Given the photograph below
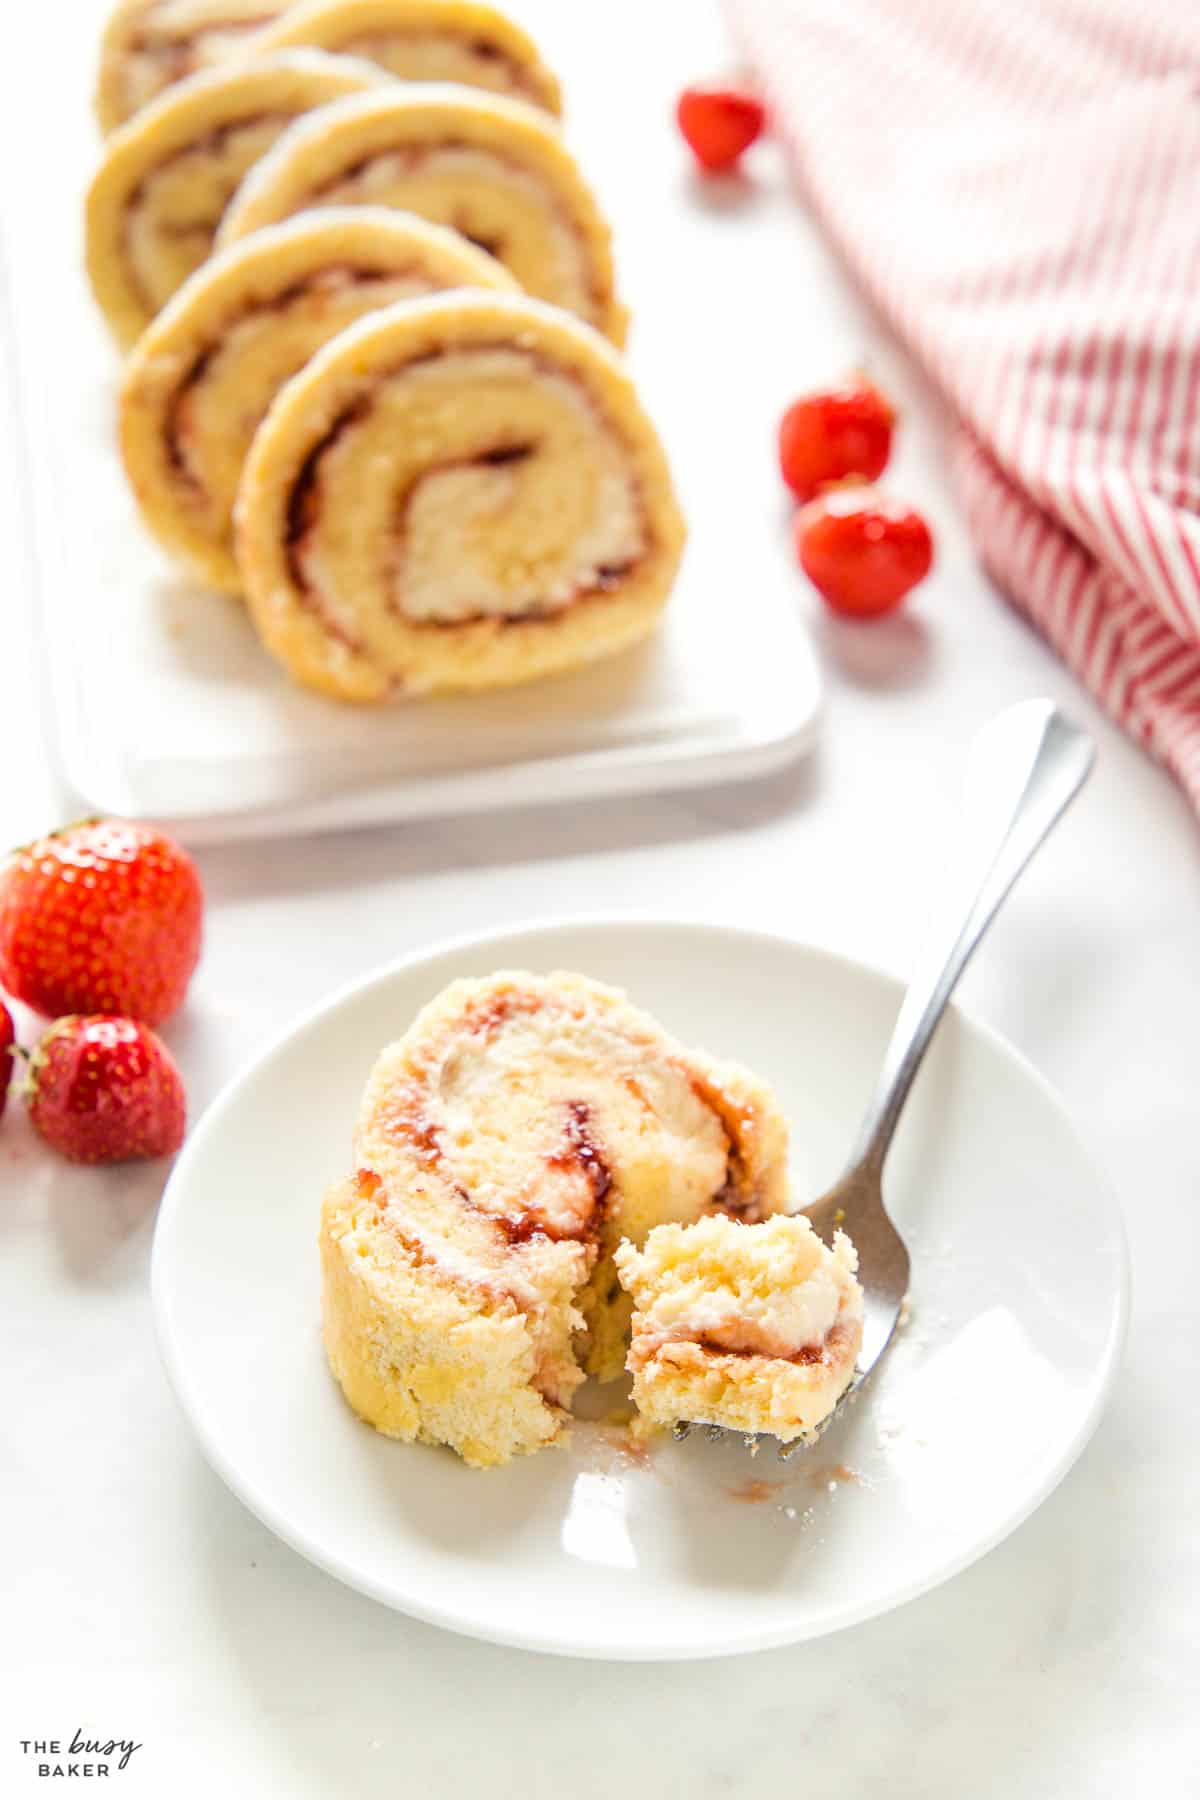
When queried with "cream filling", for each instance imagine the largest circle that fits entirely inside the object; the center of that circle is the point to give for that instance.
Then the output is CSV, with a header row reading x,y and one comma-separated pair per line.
x,y
464,545
549,1104
414,523
770,1290
784,1326
554,1127
498,205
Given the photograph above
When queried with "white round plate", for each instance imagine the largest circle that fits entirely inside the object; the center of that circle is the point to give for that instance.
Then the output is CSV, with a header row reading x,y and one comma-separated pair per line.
x,y
1018,1310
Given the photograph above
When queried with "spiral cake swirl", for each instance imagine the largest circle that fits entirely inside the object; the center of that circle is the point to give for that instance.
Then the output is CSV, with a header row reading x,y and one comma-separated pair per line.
x,y
523,1127
201,378
456,493
157,198
495,169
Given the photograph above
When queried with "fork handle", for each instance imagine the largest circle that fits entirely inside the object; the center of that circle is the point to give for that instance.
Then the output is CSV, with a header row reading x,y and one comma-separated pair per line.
x,y
1025,768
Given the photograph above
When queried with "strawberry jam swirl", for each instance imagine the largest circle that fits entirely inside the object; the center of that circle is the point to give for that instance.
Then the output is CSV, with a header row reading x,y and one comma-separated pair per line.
x,y
482,494
579,1151
583,1181
831,1350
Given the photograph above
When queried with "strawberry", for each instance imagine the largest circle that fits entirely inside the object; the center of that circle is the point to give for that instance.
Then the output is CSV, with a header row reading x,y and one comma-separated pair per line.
x,y
103,1090
861,550
100,917
719,123
7,1039
838,431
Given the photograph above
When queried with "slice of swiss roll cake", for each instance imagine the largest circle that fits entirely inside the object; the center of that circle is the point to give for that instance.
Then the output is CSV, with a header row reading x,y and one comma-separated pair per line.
x,y
455,493
521,1129
755,1329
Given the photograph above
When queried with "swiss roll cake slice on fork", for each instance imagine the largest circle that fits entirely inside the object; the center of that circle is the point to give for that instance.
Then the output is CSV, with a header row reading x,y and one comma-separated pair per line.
x,y
754,1329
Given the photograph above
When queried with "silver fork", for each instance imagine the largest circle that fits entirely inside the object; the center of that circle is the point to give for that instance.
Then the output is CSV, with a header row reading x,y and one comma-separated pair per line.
x,y
1024,770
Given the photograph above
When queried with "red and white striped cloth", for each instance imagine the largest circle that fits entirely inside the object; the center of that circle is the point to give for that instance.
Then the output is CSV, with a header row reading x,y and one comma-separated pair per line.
x,y
1017,185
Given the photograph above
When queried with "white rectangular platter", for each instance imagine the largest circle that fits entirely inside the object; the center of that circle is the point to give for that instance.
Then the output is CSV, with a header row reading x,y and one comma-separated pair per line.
x,y
164,705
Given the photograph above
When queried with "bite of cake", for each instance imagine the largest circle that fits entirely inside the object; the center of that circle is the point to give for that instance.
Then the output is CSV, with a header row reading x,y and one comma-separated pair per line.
x,y
754,1327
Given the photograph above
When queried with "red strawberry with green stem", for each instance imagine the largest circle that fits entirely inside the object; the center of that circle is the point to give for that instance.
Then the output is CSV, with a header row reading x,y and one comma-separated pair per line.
x,y
101,917
103,1090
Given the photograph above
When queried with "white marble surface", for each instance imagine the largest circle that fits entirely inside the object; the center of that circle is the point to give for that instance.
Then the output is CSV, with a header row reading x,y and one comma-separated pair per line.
x,y
140,1599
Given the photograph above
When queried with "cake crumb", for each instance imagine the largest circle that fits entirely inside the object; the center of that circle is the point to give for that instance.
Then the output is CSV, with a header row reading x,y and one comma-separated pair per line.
x,y
634,1447
620,1440
643,1432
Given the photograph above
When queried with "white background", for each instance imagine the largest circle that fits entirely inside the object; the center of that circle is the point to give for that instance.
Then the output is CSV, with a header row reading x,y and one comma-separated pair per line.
x,y
140,1599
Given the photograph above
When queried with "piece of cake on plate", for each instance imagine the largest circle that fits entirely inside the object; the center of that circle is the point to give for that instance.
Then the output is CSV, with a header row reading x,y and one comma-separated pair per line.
x,y
521,1130
754,1327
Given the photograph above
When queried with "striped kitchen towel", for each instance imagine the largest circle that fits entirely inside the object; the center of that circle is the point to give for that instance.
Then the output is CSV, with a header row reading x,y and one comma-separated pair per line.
x,y
1016,183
